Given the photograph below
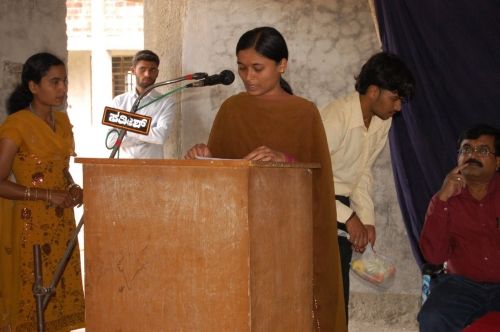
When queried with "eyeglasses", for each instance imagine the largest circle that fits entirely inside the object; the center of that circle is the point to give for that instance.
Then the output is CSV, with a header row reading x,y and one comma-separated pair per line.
x,y
468,150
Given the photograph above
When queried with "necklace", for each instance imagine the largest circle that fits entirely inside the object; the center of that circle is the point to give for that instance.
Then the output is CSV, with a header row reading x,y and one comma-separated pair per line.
x,y
51,122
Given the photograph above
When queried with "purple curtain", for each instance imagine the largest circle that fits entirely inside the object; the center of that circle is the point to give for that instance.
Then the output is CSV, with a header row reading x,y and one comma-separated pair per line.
x,y
453,50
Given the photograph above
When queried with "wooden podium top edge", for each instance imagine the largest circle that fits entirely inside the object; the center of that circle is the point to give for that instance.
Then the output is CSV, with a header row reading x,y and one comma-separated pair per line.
x,y
195,162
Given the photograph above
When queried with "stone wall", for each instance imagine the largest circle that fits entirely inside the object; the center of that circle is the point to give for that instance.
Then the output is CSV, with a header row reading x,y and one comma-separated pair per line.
x,y
28,27
327,41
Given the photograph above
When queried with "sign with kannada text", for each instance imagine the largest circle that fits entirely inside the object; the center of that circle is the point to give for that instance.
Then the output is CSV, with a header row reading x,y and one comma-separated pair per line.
x,y
117,118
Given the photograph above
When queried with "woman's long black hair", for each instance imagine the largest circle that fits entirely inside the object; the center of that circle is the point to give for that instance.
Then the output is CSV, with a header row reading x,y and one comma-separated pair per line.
x,y
34,69
268,42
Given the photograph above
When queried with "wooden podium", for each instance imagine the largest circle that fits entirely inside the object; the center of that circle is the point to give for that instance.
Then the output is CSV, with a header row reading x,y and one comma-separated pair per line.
x,y
197,245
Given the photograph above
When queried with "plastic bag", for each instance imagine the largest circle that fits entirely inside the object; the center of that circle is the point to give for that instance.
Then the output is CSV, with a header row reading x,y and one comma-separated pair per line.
x,y
374,268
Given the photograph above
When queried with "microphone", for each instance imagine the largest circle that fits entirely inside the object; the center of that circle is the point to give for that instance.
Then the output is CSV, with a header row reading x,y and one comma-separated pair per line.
x,y
225,77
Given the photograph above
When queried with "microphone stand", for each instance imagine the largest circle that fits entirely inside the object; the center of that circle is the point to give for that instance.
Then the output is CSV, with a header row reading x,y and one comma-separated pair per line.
x,y
44,294
135,105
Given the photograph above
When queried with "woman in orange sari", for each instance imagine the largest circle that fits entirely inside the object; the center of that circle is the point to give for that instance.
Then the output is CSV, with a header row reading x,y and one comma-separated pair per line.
x,y
37,197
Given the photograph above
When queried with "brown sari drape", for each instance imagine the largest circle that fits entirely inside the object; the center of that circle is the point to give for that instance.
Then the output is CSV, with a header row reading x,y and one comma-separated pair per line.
x,y
292,125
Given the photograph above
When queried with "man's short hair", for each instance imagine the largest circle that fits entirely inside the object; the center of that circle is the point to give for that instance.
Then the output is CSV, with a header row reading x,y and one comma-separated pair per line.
x,y
145,55
387,71
479,130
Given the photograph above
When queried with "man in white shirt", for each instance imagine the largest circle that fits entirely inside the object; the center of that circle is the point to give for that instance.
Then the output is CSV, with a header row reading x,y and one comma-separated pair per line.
x,y
356,127
145,68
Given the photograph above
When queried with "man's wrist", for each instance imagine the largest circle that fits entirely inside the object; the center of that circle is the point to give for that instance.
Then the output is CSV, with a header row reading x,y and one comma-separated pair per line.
x,y
353,214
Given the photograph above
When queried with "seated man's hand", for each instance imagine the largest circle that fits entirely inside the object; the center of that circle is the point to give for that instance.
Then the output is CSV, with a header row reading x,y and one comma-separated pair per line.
x,y
358,234
453,183
199,150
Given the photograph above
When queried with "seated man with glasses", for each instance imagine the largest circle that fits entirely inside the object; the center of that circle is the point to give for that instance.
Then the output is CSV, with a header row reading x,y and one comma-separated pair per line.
x,y
462,228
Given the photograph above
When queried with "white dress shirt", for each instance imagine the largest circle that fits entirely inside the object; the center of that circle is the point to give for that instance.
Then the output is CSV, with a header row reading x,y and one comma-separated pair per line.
x,y
162,115
353,149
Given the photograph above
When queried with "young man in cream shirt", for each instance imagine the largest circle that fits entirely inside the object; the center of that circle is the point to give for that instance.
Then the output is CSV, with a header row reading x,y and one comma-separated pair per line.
x,y
357,127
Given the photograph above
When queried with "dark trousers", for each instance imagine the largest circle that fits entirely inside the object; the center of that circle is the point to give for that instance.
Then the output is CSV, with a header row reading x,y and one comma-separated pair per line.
x,y
345,250
455,302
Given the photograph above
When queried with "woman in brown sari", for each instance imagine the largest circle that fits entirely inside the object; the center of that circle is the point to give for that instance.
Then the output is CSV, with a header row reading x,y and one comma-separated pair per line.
x,y
37,197
269,123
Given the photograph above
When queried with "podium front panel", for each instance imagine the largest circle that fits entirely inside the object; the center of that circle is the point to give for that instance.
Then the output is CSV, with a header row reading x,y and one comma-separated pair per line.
x,y
281,250
182,246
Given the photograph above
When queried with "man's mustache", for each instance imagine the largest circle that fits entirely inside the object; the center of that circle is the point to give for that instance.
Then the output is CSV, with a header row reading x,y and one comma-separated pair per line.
x,y
474,161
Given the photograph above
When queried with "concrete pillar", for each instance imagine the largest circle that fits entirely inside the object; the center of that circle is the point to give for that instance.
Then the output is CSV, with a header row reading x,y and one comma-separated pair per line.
x,y
163,34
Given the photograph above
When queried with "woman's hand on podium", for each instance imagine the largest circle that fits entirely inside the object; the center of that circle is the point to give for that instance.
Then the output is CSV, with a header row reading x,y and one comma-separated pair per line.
x,y
264,153
199,150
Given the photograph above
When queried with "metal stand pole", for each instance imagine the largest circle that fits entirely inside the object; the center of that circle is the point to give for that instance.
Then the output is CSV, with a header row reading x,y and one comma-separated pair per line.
x,y
38,289
43,294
